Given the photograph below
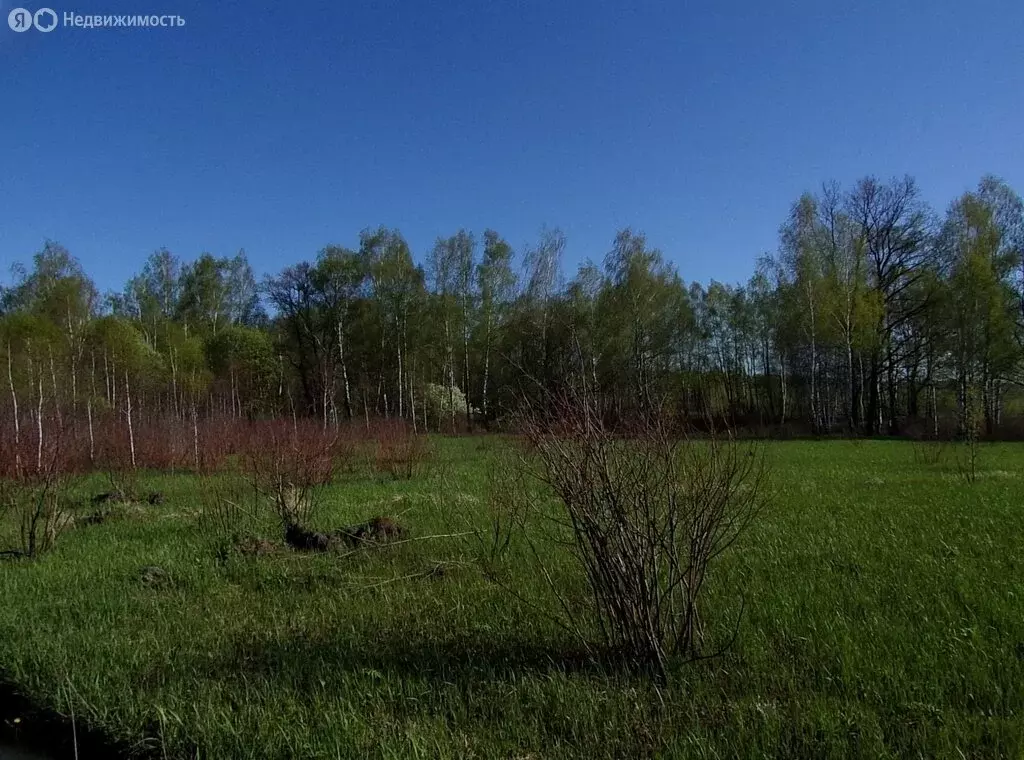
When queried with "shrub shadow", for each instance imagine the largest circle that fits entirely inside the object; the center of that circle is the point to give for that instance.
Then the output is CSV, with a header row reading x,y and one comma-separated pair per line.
x,y
460,659
38,731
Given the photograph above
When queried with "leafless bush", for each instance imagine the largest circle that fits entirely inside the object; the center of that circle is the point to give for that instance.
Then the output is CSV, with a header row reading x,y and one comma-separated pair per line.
x,y
231,513
288,464
351,449
643,513
400,452
969,450
930,452
228,505
38,509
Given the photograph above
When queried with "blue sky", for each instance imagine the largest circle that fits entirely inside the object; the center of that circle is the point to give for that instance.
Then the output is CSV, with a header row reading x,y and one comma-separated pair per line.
x,y
281,127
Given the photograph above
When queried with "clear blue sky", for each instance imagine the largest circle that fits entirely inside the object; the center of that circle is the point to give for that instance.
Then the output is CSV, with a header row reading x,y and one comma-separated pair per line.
x,y
281,127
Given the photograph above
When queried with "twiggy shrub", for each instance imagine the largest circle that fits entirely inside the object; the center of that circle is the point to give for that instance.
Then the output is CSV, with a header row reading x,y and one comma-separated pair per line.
x,y
288,464
642,513
400,452
929,452
969,450
37,510
229,506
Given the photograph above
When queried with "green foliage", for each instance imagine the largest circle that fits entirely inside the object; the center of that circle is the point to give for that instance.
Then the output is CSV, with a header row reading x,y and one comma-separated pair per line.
x,y
216,292
245,356
871,316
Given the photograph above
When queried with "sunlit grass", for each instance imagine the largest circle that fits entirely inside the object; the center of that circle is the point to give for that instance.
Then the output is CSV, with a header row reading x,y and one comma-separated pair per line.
x,y
883,616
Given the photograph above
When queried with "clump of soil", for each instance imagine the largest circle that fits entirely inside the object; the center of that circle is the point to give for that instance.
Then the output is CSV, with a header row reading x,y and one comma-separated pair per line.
x,y
98,517
153,498
438,572
255,547
377,530
110,510
109,497
304,540
154,576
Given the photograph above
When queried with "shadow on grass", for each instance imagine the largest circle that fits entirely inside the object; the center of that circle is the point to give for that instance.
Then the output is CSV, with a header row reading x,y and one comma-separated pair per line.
x,y
461,669
461,659
27,730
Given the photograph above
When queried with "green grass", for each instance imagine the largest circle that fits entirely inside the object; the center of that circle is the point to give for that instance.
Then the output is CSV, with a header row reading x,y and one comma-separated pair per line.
x,y
884,617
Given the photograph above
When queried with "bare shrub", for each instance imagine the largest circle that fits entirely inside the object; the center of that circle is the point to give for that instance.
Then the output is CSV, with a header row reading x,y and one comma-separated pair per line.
x,y
38,509
164,444
228,506
930,452
349,449
288,464
969,450
400,452
643,514
114,458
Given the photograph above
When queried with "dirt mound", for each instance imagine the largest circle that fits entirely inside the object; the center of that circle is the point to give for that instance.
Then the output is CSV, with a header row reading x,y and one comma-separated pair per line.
x,y
154,576
376,530
304,540
107,498
255,547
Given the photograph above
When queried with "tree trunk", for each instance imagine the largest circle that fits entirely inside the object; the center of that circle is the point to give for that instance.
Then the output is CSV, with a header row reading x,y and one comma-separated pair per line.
x,y
401,395
815,423
73,361
174,381
871,422
412,398
465,363
344,372
106,380
56,398
851,385
450,361
195,435
890,378
128,407
14,402
39,427
785,395
935,413
324,392
92,440
487,367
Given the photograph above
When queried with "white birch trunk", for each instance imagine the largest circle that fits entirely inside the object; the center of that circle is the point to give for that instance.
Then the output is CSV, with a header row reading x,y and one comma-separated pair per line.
x,y
195,434
487,362
92,439
14,402
344,371
39,427
465,361
450,361
56,401
128,406
401,398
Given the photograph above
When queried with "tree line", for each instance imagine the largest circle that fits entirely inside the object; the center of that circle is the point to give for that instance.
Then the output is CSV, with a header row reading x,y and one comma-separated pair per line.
x,y
875,315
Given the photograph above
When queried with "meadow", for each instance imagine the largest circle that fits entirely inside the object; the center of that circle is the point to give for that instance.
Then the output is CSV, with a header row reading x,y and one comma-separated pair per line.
x,y
882,601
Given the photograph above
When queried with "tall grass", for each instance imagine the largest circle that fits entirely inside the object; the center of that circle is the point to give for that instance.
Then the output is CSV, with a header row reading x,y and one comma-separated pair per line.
x,y
883,618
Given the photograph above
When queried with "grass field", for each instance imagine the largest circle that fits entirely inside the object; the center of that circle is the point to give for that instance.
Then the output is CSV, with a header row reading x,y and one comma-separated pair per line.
x,y
883,617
